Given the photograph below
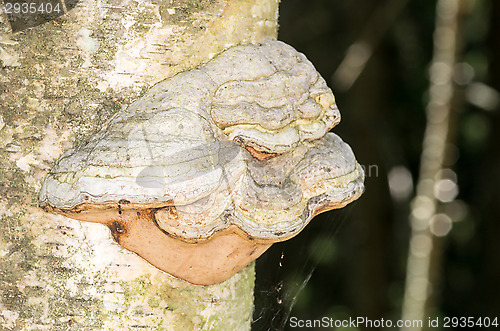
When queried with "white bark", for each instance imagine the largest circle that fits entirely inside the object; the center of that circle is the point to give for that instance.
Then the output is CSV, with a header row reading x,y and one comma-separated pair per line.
x,y
59,83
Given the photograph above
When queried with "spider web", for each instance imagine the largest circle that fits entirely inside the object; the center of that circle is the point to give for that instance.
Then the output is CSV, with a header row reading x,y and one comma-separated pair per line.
x,y
275,296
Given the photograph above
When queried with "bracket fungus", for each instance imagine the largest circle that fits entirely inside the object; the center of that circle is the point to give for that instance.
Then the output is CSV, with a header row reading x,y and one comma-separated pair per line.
x,y
212,166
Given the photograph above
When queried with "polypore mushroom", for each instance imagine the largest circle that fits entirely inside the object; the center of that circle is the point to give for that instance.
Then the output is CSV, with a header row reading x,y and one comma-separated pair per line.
x,y
212,166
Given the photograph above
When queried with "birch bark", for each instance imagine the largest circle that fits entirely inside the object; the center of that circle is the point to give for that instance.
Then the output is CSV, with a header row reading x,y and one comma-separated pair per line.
x,y
59,82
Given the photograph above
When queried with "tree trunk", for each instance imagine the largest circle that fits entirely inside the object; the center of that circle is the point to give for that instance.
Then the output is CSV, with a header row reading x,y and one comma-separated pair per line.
x,y
59,82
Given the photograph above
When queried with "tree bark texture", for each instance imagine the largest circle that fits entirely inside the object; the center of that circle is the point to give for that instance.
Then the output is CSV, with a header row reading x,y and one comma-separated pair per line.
x,y
59,83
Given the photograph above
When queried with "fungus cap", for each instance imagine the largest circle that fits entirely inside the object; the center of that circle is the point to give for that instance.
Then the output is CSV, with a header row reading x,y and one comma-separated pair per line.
x,y
210,167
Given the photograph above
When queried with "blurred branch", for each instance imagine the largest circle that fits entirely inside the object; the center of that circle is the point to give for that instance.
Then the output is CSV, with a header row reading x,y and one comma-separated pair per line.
x,y
427,224
361,50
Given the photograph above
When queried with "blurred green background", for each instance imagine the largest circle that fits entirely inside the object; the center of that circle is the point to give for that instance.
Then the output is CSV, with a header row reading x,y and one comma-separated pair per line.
x,y
352,262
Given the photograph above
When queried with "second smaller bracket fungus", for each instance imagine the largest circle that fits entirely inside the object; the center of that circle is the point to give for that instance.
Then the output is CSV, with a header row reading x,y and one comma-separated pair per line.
x,y
212,166
279,196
